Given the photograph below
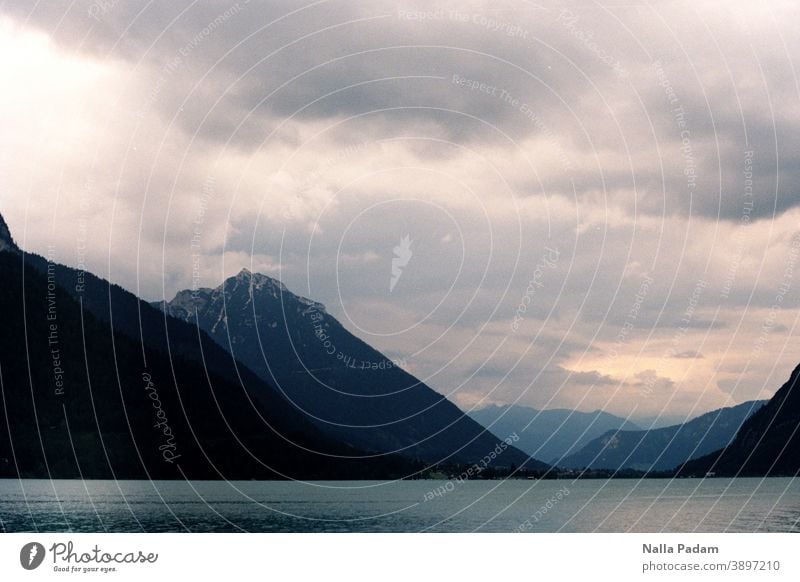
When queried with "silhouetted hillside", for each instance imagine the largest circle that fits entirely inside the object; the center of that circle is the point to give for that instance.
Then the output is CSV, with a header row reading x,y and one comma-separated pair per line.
x,y
767,444
662,449
81,401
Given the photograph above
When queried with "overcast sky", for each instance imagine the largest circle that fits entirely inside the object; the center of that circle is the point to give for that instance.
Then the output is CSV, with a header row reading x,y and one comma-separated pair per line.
x,y
601,200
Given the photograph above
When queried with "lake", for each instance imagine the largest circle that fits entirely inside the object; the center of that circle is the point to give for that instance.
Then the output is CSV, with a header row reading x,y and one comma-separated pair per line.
x,y
621,505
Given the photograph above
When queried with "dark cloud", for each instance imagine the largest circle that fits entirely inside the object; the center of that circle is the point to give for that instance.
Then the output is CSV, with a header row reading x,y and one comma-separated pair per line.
x,y
484,143
388,67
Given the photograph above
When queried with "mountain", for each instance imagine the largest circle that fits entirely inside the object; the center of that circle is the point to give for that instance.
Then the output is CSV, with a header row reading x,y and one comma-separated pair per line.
x,y
80,401
350,390
548,434
83,400
660,420
662,448
6,240
767,444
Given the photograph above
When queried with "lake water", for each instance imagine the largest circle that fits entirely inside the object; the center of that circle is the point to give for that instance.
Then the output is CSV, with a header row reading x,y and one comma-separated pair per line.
x,y
685,505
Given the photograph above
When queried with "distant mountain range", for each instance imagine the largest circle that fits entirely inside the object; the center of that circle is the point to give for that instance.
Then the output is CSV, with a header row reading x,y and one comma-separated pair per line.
x,y
349,390
662,448
660,421
549,434
768,442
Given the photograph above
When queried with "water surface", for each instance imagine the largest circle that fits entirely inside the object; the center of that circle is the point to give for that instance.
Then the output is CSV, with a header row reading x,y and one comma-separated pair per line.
x,y
652,505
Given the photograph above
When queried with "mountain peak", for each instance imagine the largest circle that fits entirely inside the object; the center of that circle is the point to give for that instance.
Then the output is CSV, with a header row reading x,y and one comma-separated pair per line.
x,y
343,385
256,280
6,240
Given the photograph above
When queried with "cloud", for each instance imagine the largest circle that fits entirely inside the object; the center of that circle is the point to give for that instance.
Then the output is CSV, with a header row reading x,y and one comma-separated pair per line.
x,y
592,378
689,354
182,139
381,68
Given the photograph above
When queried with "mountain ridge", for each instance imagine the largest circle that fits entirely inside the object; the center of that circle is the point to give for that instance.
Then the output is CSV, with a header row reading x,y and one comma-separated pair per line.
x,y
6,240
81,401
362,398
119,339
550,434
765,445
663,448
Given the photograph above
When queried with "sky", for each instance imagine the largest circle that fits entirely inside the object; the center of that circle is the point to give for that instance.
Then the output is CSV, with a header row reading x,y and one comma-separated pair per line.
x,y
566,205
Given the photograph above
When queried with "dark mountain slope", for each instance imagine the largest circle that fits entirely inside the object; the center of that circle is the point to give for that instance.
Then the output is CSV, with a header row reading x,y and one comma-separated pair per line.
x,y
80,401
767,444
663,448
351,391
121,312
